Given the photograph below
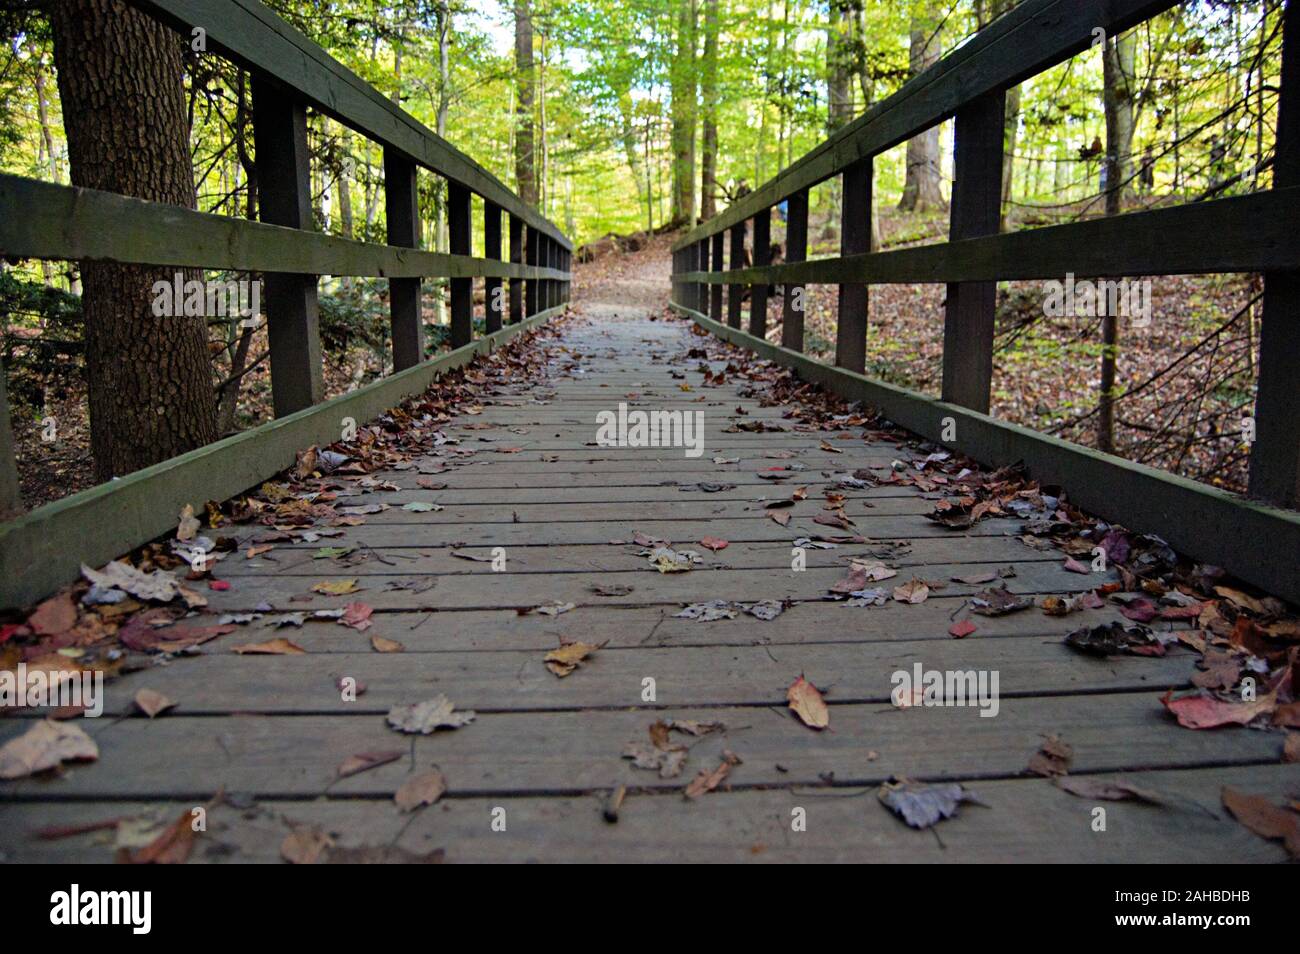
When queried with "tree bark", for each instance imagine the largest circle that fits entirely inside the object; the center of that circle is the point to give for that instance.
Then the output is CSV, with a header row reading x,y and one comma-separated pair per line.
x,y
683,84
1118,62
921,184
525,165
709,100
120,82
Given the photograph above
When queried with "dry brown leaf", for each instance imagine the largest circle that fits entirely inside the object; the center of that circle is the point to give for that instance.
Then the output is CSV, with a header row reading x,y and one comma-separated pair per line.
x,y
335,587
280,646
172,847
913,591
707,781
567,658
1264,818
152,703
1053,758
807,703
428,716
382,644
419,790
364,761
305,845
44,746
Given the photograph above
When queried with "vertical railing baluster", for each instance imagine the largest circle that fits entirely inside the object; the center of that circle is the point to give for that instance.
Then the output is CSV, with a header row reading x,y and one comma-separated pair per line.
x,y
284,198
717,265
530,286
11,495
737,260
976,210
1275,453
762,257
796,250
402,209
517,258
459,228
493,289
855,238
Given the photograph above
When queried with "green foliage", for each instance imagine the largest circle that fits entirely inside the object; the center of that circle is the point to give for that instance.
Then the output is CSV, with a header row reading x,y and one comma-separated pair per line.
x,y
354,316
43,342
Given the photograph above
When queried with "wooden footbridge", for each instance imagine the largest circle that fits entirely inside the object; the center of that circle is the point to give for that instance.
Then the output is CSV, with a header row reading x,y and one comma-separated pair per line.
x,y
629,624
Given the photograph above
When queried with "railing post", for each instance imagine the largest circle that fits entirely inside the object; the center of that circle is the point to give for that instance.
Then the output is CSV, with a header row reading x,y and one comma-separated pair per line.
x,y
284,198
718,265
402,208
462,289
762,257
11,496
976,211
493,290
1275,453
855,238
796,250
517,257
701,265
737,260
530,286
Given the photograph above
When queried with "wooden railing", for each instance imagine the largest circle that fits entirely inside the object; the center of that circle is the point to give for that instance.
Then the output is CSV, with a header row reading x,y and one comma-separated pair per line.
x,y
290,74
1253,233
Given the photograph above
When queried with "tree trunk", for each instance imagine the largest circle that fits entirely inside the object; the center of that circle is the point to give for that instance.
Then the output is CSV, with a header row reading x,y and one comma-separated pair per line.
x,y
709,99
921,185
120,82
1118,62
682,79
525,167
839,95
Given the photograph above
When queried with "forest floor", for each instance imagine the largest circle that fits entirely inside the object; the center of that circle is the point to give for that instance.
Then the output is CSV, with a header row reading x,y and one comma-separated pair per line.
x,y
475,633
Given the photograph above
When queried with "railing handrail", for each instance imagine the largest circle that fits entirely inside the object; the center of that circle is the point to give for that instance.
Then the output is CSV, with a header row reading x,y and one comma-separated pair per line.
x,y
252,35
1043,32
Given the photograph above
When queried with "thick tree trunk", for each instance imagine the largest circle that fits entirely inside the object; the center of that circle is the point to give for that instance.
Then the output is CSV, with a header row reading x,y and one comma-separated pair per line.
x,y
709,100
921,185
525,163
1118,61
119,73
683,115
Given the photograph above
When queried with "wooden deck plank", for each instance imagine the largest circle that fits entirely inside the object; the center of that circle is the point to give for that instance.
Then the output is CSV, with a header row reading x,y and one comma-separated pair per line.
x,y
1024,818
684,676
570,752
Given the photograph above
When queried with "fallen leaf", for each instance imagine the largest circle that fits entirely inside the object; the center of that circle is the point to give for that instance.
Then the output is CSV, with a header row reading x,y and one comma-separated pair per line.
x,y
382,644
305,845
554,608
44,746
913,591
808,704
357,616
56,615
1264,818
419,790
1053,758
364,761
714,543
426,717
335,587
962,629
707,781
1107,790
567,658
160,587
152,703
922,806
188,528
280,646
998,602
172,847
1201,711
